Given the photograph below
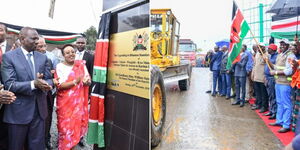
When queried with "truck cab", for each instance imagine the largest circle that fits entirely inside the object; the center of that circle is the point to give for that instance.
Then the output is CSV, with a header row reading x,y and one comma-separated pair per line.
x,y
187,51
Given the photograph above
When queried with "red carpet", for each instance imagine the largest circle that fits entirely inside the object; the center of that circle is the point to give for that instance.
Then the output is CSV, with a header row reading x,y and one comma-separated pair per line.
x,y
285,138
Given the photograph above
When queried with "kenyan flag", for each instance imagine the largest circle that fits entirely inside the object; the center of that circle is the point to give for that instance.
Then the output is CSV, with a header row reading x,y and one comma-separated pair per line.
x,y
96,118
239,30
285,26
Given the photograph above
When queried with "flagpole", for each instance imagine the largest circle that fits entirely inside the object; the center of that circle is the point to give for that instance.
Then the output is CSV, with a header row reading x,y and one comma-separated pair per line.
x,y
260,49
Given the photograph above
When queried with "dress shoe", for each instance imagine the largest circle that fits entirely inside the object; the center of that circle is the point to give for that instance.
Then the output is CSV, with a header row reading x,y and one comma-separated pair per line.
x,y
272,117
232,96
274,124
283,130
262,110
254,107
208,91
268,114
213,95
222,95
236,103
49,145
227,97
242,104
81,142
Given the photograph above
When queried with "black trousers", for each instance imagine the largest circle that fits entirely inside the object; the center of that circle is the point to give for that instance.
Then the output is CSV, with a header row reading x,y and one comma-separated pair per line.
x,y
3,132
272,95
261,95
50,103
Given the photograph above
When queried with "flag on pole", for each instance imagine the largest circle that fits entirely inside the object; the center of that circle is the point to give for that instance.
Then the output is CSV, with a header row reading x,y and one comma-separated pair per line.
x,y
96,118
239,30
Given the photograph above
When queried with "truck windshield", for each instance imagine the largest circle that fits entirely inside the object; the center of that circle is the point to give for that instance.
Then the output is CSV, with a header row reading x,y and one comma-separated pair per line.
x,y
186,47
156,23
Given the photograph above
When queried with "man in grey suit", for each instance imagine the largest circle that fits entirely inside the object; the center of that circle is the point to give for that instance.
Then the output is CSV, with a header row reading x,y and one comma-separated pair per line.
x,y
240,74
26,73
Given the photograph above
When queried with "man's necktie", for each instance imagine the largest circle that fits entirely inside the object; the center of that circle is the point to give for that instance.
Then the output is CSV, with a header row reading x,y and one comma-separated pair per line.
x,y
31,64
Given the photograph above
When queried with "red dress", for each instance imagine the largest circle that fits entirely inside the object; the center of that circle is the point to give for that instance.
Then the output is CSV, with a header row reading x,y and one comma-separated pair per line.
x,y
72,110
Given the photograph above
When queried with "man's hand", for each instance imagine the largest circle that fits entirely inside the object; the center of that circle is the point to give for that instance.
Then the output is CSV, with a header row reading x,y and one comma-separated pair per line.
x,y
294,63
39,75
272,72
296,38
265,57
42,84
7,97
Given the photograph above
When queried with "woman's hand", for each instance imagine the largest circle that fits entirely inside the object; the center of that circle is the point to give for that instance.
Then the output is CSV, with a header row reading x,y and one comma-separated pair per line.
x,y
77,80
56,81
86,80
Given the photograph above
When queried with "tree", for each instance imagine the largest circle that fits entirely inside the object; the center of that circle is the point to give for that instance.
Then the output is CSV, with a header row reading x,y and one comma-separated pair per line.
x,y
91,38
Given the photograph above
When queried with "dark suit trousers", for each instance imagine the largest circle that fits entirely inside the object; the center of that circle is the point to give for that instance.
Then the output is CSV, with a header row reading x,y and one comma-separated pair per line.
x,y
32,133
271,94
261,95
50,103
240,88
216,81
3,132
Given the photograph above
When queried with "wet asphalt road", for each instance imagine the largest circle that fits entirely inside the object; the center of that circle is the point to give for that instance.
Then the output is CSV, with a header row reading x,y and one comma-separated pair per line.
x,y
197,121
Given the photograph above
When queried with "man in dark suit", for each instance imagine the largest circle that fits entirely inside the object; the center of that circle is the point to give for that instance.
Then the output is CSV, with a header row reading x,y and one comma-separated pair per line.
x,y
27,74
4,47
215,66
82,54
240,74
6,97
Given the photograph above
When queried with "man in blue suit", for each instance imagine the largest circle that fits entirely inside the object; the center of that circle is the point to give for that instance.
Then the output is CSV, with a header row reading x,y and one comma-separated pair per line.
x,y
215,67
240,74
26,73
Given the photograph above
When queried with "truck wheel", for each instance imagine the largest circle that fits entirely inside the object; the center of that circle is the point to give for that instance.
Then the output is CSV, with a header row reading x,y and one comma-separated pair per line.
x,y
185,84
158,105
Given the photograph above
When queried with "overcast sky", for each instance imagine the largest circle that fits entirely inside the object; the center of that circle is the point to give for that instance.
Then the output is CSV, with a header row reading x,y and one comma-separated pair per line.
x,y
203,21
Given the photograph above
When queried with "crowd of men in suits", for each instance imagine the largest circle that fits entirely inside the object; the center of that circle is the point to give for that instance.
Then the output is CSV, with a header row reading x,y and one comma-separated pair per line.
x,y
27,90
263,74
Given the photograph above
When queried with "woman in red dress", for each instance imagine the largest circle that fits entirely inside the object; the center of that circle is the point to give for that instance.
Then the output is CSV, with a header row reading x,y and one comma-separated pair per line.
x,y
72,99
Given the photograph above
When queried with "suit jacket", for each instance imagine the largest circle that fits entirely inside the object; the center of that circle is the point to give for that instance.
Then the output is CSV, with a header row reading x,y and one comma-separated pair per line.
x,y
89,58
15,72
224,62
240,67
216,61
8,48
